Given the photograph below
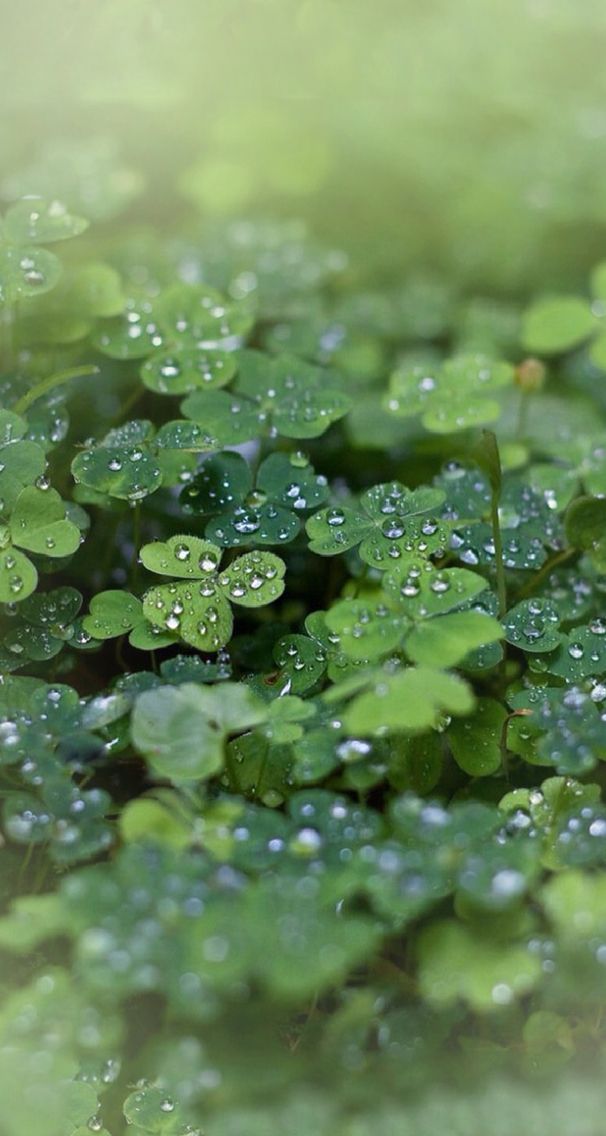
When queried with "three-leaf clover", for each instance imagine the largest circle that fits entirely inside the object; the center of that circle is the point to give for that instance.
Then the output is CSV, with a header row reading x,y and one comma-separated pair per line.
x,y
182,730
266,512
186,333
115,613
418,610
41,627
451,396
276,396
389,523
25,269
133,461
412,699
38,524
196,606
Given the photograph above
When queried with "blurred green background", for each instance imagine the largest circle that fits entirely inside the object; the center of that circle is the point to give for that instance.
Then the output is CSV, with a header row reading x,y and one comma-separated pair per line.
x,y
467,137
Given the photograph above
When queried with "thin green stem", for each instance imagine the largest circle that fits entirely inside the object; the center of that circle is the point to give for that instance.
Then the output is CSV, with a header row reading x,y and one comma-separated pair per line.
x,y
56,380
7,345
498,551
523,408
134,572
554,562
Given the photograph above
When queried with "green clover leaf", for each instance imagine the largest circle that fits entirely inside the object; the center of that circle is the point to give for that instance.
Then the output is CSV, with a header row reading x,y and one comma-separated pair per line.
x,y
198,610
455,963
586,528
533,625
286,487
555,325
277,396
412,700
416,613
115,613
132,462
38,524
26,272
527,522
388,524
452,396
33,220
476,741
187,333
84,294
21,463
44,624
182,730
25,269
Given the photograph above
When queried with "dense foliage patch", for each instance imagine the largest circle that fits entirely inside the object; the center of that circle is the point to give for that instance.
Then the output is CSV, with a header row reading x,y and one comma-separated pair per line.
x,y
303,694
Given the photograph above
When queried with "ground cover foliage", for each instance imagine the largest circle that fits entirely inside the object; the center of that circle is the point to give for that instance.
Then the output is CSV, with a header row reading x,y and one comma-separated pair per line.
x,y
303,698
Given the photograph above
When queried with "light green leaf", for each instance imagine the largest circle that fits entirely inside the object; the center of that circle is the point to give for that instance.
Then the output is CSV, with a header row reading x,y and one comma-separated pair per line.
x,y
39,524
187,557
112,613
551,326
18,577
451,637
33,220
187,369
410,700
181,730
26,272
455,964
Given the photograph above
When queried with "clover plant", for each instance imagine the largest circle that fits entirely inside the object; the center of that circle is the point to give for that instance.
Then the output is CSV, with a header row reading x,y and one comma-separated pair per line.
x,y
303,690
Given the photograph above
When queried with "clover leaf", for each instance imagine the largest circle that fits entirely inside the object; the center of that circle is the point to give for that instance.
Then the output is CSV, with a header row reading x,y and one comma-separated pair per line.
x,y
528,525
533,625
132,462
556,324
452,396
388,524
182,730
25,269
187,333
586,528
476,741
454,963
198,610
84,294
21,462
582,652
115,613
38,524
418,613
268,513
42,626
277,396
410,700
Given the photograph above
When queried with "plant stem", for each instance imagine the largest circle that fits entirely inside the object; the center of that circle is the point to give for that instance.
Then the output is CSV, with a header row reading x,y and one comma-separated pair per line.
x,y
50,383
548,567
134,574
498,551
523,407
7,321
